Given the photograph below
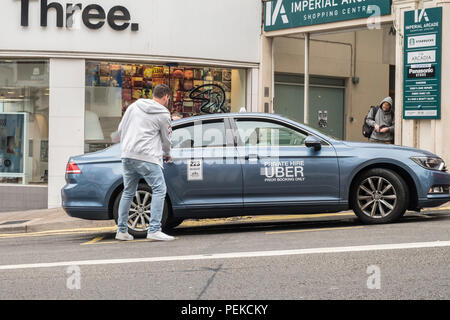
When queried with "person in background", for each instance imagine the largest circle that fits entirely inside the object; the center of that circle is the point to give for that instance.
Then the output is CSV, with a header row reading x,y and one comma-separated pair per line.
x,y
382,120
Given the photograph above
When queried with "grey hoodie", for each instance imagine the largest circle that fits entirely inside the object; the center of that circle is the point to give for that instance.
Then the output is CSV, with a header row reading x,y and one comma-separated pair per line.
x,y
145,132
382,118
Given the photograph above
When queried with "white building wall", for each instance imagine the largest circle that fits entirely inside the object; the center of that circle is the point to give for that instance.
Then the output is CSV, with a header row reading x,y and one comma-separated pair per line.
x,y
431,135
66,121
220,30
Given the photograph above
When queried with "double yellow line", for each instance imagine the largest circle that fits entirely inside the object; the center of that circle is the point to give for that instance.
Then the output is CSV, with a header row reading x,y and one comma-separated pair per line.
x,y
205,222
202,222
57,232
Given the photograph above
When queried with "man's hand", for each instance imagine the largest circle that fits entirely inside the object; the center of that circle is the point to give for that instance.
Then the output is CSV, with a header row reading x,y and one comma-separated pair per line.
x,y
168,159
384,130
377,128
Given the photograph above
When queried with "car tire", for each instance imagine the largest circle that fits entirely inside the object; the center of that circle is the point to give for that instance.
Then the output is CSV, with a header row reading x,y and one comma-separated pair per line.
x,y
138,227
379,196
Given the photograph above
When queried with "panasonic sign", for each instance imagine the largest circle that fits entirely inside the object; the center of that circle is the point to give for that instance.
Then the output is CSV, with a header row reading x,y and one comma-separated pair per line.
x,y
93,16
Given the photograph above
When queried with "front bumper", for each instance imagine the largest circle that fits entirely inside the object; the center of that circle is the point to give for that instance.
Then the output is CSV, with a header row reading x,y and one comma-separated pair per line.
x,y
429,199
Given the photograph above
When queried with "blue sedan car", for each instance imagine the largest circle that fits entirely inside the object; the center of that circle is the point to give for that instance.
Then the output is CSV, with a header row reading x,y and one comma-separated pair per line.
x,y
252,164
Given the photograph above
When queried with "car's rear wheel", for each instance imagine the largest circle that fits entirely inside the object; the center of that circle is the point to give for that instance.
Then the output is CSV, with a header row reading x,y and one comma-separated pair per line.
x,y
139,214
379,196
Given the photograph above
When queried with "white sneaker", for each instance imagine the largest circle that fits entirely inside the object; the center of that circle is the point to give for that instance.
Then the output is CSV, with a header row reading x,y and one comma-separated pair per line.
x,y
158,235
125,236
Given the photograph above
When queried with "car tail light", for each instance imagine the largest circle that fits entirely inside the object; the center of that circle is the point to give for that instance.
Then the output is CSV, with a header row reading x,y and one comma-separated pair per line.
x,y
72,168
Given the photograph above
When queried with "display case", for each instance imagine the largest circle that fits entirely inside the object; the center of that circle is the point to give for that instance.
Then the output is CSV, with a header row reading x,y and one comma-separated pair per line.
x,y
14,146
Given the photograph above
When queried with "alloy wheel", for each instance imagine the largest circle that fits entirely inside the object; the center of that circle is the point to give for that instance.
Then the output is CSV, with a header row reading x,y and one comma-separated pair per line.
x,y
377,197
139,215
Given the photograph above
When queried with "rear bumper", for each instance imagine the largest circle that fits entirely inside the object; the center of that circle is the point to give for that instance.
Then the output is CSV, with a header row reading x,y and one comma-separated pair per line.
x,y
88,208
87,213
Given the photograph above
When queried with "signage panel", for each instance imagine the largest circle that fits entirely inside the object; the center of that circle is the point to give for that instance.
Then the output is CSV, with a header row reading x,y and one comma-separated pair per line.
x,y
422,64
13,148
283,14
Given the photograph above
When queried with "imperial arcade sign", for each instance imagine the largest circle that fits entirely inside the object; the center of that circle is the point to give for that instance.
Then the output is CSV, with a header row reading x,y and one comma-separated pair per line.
x,y
283,14
422,64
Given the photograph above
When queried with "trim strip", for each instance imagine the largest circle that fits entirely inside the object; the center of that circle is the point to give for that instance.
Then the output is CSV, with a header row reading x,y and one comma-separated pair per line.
x,y
125,57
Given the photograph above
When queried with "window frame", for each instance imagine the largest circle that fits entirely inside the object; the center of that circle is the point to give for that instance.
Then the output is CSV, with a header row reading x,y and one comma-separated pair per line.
x,y
229,141
240,143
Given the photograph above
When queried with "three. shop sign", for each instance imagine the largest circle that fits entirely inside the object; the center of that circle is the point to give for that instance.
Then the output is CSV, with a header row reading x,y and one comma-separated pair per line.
x,y
93,16
422,64
283,14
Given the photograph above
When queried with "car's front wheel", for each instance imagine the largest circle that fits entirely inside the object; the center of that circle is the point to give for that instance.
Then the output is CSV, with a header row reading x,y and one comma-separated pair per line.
x,y
379,196
139,214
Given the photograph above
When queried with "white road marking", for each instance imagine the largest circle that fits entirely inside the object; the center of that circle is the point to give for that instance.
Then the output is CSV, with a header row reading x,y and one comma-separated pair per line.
x,y
232,255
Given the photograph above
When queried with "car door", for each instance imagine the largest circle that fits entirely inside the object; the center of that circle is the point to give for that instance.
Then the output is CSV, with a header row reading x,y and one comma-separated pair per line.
x,y
279,171
205,172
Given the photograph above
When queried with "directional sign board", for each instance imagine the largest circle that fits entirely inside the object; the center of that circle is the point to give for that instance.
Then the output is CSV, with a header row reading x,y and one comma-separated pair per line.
x,y
422,64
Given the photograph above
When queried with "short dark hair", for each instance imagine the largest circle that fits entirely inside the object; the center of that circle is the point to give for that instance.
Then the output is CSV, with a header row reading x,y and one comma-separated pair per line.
x,y
160,91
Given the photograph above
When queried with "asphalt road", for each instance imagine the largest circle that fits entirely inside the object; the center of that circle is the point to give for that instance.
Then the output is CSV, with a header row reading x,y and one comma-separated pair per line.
x,y
325,258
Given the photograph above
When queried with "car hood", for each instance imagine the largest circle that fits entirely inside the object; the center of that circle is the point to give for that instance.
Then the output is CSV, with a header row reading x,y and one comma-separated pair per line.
x,y
381,146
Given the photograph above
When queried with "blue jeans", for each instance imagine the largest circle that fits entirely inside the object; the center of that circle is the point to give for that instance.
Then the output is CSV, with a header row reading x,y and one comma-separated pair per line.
x,y
133,171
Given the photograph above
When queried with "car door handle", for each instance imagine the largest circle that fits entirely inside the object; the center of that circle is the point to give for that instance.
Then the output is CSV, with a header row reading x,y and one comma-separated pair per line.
x,y
252,156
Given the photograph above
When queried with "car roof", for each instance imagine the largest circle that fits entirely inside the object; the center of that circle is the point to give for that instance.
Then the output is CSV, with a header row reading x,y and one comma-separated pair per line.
x,y
229,115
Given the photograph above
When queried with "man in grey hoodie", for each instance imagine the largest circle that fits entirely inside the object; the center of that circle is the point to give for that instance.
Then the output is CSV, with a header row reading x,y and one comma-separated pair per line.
x,y
145,140
383,121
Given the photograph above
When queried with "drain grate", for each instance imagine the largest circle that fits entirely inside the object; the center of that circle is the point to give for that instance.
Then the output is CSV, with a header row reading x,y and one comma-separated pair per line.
x,y
13,222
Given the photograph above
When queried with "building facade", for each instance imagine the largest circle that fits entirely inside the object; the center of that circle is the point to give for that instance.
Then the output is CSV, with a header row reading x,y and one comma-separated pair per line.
x,y
357,56
69,71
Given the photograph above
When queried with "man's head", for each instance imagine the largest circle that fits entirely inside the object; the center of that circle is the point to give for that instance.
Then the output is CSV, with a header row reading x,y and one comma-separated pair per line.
x,y
386,104
161,94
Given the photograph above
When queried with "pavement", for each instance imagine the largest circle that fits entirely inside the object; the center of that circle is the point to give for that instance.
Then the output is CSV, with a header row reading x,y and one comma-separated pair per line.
x,y
57,219
45,220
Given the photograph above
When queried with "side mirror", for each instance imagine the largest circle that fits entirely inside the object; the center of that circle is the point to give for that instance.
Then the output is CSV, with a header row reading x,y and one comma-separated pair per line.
x,y
313,142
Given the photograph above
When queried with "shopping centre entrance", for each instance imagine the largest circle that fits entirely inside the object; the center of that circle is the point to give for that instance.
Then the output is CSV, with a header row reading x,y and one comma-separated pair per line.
x,y
324,63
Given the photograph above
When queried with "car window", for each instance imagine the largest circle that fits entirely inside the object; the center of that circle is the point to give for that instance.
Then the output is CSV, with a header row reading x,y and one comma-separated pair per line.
x,y
265,133
210,134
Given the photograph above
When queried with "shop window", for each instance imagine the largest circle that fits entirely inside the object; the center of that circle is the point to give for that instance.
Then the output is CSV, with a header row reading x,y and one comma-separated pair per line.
x,y
112,87
24,101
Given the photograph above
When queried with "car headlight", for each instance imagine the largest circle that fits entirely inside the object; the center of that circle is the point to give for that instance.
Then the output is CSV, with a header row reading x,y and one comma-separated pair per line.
x,y
431,163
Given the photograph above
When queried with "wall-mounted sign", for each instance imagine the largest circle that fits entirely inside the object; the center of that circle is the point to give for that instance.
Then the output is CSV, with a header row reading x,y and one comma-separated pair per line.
x,y
93,16
13,149
422,64
283,14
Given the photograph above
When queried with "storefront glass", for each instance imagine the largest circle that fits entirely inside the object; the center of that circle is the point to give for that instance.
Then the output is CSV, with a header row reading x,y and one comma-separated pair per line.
x,y
24,101
112,87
